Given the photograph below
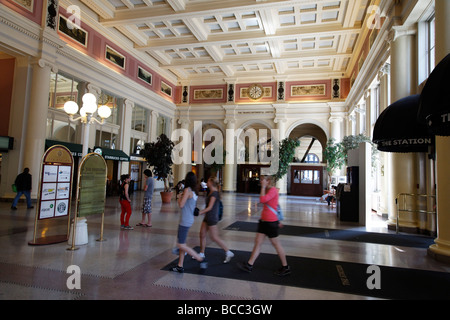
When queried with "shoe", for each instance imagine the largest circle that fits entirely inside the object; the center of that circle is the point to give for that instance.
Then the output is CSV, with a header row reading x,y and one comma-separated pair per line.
x,y
13,208
30,207
128,228
201,254
177,269
204,264
283,271
122,226
228,256
245,266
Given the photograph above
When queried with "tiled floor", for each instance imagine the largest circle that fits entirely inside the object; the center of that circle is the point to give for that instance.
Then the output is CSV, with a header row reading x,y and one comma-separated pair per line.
x,y
128,264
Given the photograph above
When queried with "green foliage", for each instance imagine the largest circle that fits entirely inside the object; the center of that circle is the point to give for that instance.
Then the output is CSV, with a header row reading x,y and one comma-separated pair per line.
x,y
335,156
159,156
286,155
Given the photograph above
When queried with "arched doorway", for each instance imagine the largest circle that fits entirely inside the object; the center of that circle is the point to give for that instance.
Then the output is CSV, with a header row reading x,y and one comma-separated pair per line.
x,y
253,140
204,170
307,175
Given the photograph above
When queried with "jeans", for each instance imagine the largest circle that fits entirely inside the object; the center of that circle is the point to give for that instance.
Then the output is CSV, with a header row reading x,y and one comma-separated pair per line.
x,y
19,194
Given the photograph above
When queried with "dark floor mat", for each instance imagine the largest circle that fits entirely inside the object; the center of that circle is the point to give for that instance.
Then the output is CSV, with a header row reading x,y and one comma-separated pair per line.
x,y
340,234
329,275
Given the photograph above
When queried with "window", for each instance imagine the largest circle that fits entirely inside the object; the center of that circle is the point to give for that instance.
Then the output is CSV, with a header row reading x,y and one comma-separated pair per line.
x,y
139,119
63,88
312,158
307,176
136,145
426,46
106,139
113,102
161,126
431,43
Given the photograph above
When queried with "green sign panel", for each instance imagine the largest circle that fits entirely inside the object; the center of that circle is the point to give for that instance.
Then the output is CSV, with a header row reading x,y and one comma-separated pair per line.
x,y
92,185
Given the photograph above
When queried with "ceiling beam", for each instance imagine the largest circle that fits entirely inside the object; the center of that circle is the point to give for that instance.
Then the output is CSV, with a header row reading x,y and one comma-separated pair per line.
x,y
245,36
158,13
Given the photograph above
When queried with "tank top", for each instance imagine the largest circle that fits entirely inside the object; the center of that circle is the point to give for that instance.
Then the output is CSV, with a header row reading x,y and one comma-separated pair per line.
x,y
122,191
187,212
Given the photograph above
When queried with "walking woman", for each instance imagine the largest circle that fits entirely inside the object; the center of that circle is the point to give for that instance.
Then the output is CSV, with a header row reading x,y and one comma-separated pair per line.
x,y
268,226
125,202
187,203
211,219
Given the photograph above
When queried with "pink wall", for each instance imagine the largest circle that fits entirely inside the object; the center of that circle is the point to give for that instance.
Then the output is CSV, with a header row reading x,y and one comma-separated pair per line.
x,y
6,87
34,15
96,48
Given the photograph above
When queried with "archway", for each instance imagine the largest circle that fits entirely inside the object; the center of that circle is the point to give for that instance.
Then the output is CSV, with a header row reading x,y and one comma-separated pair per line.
x,y
253,141
307,176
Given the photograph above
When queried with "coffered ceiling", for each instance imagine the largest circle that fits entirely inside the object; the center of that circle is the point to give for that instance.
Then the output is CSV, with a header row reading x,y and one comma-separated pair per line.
x,y
209,40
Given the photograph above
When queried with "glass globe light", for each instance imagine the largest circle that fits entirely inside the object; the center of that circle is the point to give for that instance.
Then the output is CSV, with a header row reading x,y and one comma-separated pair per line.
x,y
71,107
89,107
104,111
89,98
83,112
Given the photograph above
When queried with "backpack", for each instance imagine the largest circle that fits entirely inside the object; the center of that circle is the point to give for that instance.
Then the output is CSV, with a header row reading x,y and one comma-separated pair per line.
x,y
220,210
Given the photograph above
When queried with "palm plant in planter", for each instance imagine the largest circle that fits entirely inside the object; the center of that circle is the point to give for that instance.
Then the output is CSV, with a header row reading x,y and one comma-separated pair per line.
x,y
159,156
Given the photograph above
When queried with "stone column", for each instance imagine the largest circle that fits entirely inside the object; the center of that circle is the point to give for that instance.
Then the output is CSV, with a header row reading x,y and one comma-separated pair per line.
x,y
441,249
230,158
403,168
37,121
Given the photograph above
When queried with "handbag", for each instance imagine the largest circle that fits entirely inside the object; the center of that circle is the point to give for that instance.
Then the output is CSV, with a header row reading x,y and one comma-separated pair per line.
x,y
196,211
14,188
278,212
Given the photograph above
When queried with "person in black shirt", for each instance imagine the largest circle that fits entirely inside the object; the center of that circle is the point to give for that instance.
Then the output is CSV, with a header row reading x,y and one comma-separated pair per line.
x,y
23,186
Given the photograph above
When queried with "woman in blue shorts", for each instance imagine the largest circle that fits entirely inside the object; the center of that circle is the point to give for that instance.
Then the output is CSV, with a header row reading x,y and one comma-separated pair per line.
x,y
187,203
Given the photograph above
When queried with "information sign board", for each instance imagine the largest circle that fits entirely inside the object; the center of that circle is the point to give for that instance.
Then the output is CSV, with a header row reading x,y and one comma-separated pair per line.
x,y
55,190
92,185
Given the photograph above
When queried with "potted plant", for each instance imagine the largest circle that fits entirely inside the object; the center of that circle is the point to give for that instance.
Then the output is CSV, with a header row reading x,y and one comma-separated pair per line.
x,y
286,156
159,156
335,155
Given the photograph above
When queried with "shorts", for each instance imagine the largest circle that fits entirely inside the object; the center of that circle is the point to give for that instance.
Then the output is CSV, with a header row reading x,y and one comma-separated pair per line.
x,y
270,229
147,206
182,234
211,218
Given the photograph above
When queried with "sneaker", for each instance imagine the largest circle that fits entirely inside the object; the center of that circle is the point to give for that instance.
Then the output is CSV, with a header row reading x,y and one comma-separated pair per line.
x,y
245,266
128,228
283,271
13,208
201,254
177,269
204,264
122,226
228,256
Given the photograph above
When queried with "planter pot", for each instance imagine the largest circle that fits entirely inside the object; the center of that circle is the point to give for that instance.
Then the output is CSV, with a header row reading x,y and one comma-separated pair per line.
x,y
166,197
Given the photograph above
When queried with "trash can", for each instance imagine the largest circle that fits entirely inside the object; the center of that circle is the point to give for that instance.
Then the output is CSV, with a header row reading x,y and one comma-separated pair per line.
x,y
81,234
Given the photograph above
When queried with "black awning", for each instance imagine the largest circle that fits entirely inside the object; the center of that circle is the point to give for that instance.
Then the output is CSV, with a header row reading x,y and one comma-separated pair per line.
x,y
398,130
434,105
74,148
112,154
